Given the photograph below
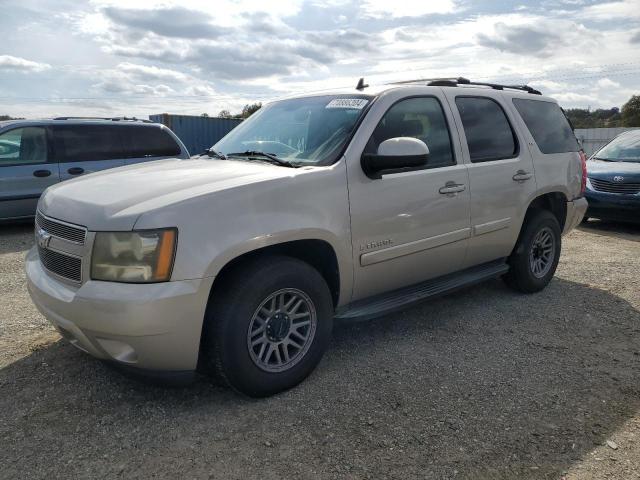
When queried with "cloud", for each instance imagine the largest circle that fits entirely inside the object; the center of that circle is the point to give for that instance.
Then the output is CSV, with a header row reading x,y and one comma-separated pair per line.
x,y
521,39
262,46
18,64
147,72
407,8
624,9
607,83
177,22
119,83
135,79
186,55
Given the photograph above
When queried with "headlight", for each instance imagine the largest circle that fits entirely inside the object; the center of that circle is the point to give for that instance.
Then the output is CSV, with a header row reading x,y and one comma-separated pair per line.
x,y
589,187
145,256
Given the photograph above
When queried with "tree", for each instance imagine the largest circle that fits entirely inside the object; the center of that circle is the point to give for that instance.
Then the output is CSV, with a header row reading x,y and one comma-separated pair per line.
x,y
249,110
7,117
600,118
205,115
631,112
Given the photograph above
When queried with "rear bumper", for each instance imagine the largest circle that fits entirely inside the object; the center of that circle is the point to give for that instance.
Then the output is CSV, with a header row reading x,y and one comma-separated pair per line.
x,y
613,206
154,326
575,212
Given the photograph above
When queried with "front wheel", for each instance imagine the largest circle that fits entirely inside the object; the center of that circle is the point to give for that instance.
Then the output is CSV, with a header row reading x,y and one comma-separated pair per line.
x,y
268,326
535,257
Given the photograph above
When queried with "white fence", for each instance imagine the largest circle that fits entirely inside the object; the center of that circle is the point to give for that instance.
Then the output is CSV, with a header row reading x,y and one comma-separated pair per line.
x,y
592,139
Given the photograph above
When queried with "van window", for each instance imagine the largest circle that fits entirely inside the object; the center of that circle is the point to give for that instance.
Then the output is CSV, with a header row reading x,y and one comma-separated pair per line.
x,y
548,125
148,141
488,131
83,143
23,146
421,118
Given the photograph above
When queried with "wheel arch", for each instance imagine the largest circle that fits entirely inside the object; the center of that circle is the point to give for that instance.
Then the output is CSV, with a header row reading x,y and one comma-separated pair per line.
x,y
318,253
554,202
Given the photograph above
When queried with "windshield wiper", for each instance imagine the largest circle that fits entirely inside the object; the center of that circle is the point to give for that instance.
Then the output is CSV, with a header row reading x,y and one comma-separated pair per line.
x,y
269,157
605,159
210,152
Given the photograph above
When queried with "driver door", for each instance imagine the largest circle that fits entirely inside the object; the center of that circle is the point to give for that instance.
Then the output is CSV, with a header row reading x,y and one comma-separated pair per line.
x,y
25,170
408,227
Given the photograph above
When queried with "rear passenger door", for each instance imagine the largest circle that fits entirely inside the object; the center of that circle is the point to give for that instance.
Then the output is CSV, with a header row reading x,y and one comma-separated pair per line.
x,y
82,149
25,170
501,174
144,143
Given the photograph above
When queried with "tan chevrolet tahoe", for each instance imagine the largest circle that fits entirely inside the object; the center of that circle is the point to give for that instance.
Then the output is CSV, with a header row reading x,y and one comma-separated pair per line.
x,y
335,205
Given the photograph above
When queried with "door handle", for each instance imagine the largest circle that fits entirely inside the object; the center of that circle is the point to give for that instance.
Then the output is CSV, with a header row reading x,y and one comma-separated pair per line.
x,y
451,188
522,176
42,173
75,171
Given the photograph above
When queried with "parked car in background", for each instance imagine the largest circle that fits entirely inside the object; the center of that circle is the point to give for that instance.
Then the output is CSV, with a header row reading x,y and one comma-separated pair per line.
x,y
349,204
35,154
613,183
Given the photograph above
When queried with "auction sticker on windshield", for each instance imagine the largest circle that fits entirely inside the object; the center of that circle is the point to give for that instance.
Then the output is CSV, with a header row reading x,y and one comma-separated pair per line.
x,y
357,103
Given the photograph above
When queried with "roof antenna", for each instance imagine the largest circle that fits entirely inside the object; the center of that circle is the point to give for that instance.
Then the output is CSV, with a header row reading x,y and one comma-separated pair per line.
x,y
361,85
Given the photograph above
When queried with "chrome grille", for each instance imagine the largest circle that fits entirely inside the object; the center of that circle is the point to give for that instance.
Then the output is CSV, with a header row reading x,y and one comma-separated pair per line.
x,y
61,264
60,229
615,187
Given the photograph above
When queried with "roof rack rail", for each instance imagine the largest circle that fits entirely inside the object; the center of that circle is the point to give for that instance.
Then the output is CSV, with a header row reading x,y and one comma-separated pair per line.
x,y
454,82
113,119
419,80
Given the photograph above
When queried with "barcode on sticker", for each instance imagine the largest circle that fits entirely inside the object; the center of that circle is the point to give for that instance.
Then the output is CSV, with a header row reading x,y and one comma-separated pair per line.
x,y
357,103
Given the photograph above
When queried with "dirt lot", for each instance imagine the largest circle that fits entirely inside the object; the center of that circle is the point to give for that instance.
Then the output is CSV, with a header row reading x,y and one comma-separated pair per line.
x,y
485,383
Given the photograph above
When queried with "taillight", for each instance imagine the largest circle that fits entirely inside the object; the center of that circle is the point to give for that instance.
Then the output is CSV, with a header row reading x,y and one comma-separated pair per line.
x,y
583,164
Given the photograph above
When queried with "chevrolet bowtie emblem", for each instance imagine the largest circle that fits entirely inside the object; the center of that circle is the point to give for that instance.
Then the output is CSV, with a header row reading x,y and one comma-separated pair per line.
x,y
43,238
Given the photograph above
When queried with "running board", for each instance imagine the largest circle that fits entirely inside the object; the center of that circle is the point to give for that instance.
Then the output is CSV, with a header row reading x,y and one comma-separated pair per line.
x,y
389,302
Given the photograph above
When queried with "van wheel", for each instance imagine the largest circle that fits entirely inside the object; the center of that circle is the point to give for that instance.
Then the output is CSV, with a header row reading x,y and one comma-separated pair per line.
x,y
535,257
268,326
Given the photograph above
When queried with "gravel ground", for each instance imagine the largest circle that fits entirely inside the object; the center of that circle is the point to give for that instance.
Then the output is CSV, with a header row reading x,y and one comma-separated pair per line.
x,y
485,383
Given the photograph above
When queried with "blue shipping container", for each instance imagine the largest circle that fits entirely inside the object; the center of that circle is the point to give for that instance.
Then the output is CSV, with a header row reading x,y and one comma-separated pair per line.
x,y
197,133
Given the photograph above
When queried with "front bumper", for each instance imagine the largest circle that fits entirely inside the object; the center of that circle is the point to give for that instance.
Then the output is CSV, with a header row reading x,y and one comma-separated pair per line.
x,y
575,212
613,206
146,326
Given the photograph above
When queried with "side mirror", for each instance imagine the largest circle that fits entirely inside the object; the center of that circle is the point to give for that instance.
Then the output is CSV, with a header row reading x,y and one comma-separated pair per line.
x,y
400,154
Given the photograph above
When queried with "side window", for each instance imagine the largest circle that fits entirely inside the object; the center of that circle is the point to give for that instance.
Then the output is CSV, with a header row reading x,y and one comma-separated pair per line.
x,y
148,141
548,126
489,134
23,146
82,143
421,118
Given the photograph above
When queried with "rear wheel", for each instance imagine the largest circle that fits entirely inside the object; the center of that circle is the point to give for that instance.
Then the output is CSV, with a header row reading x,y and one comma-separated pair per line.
x,y
268,325
535,257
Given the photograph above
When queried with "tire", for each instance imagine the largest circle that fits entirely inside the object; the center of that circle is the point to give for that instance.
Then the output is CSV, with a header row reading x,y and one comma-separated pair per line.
x,y
531,265
246,301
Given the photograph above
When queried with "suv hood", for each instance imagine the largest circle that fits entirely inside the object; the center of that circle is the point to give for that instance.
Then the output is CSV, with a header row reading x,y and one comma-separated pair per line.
x,y
114,199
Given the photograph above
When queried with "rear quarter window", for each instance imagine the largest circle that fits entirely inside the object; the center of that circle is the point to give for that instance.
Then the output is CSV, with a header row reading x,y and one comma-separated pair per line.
x,y
148,141
548,125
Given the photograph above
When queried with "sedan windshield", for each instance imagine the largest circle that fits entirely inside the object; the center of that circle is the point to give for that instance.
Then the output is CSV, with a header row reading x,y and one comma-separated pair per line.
x,y
625,148
299,131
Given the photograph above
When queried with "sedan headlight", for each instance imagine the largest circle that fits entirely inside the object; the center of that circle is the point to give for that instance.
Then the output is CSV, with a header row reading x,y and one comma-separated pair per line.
x,y
145,256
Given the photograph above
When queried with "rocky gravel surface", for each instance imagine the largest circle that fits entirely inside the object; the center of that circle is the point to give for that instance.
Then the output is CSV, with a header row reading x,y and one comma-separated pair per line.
x,y
484,383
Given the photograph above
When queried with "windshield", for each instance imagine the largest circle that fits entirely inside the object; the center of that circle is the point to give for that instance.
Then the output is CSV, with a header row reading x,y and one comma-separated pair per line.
x,y
301,131
625,148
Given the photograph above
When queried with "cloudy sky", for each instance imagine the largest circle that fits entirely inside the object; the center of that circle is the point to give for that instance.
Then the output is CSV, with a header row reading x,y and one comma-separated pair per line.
x,y
117,57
